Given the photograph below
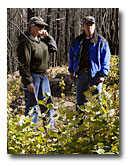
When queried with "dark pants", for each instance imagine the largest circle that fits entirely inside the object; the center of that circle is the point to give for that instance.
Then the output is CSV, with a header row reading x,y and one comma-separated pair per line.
x,y
83,82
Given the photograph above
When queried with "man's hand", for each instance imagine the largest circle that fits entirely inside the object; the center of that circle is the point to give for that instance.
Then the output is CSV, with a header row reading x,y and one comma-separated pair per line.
x,y
44,33
72,77
100,79
30,88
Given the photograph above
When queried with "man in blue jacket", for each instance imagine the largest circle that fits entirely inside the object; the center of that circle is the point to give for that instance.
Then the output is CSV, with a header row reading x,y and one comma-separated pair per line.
x,y
89,59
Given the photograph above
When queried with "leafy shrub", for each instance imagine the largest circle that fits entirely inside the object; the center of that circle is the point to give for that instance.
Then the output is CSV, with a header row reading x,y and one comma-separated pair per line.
x,y
99,133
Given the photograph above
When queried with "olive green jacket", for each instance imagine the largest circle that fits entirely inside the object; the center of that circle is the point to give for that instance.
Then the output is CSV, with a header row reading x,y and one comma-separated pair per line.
x,y
33,55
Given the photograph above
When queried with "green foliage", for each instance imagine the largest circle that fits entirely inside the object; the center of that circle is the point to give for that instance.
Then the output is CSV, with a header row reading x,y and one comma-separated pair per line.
x,y
13,90
99,133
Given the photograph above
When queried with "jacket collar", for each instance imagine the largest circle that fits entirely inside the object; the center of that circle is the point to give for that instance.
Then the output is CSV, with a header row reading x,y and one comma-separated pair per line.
x,y
31,37
94,39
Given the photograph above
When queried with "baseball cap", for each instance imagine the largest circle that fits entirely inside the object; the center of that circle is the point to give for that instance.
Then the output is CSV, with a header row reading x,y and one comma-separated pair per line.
x,y
37,21
87,19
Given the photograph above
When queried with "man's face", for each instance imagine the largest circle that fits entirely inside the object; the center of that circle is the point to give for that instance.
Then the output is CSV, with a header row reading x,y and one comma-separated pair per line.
x,y
36,30
89,29
39,29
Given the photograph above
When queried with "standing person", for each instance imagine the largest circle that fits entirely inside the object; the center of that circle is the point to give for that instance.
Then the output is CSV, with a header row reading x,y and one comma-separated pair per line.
x,y
89,58
33,54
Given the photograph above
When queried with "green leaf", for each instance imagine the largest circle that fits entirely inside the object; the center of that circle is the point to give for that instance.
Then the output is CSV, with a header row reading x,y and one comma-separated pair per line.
x,y
100,144
41,129
48,126
69,114
33,124
103,109
87,93
60,118
94,87
41,102
55,115
109,153
19,128
103,101
50,106
115,86
62,95
100,151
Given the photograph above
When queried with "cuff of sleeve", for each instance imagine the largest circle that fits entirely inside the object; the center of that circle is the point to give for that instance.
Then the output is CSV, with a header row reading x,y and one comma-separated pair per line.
x,y
26,80
102,75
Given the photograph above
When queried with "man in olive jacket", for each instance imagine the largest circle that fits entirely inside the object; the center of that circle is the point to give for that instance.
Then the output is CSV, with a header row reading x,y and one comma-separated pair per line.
x,y
33,54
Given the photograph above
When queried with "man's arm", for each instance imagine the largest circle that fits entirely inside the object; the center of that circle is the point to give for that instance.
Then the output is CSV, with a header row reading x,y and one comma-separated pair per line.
x,y
48,39
105,59
71,62
24,57
105,62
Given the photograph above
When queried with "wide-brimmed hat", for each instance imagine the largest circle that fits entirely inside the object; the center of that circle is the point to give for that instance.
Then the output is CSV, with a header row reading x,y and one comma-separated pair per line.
x,y
37,21
88,19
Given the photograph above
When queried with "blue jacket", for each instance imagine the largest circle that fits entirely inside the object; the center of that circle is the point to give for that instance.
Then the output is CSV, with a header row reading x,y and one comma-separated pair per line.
x,y
99,54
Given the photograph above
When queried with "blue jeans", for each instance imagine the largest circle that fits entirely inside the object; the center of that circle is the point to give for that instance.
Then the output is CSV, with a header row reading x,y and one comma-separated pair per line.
x,y
41,84
82,85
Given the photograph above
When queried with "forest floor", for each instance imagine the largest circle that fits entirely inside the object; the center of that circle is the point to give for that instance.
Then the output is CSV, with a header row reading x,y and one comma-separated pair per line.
x,y
70,97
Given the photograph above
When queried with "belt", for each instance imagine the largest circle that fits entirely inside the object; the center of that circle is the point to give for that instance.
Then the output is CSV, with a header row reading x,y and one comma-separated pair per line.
x,y
41,74
85,69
